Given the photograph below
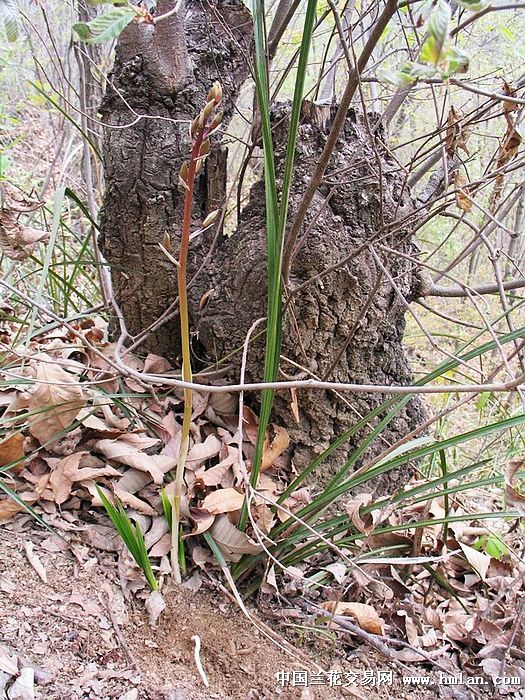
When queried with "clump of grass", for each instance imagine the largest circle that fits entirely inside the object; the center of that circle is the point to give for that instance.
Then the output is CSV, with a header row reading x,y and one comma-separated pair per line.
x,y
131,535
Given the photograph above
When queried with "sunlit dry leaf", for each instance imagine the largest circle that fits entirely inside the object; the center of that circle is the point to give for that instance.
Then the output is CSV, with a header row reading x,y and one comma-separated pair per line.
x,y
69,471
134,480
55,401
269,584
158,528
34,560
492,666
294,405
12,449
162,547
353,508
199,402
510,92
132,501
412,656
232,542
89,605
479,561
214,475
365,615
9,507
457,625
224,404
154,605
24,686
429,639
154,364
457,133
17,241
410,628
299,498
513,497
194,583
463,199
202,557
223,501
250,424
203,451
338,570
97,424
274,448
263,517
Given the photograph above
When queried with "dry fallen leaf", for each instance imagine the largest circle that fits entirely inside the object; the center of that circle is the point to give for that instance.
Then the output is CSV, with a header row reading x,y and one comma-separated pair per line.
x,y
479,561
203,520
162,547
55,402
294,405
128,499
16,240
154,605
250,424
69,470
8,661
338,570
34,560
12,449
154,364
363,523
9,507
24,686
232,542
223,501
365,615
203,451
513,497
214,475
274,449
463,199
120,451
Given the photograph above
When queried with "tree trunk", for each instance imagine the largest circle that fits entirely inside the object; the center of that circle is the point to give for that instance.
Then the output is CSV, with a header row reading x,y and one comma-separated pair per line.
x,y
164,72
346,326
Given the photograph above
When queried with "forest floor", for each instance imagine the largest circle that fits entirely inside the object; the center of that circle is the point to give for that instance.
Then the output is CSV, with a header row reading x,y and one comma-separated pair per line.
x,y
70,632
75,614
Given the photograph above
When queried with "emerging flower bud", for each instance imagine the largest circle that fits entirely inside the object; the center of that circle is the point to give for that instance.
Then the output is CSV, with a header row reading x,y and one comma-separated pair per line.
x,y
208,221
183,173
208,109
216,122
215,93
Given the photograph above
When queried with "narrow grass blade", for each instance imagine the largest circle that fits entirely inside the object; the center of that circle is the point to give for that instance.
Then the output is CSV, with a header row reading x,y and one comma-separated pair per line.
x,y
131,536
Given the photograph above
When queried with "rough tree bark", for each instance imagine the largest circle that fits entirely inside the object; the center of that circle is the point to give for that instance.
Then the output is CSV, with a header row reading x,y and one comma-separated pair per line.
x,y
347,326
164,72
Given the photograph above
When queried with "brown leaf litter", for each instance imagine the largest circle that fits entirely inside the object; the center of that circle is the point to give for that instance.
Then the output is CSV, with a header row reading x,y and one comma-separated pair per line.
x,y
78,637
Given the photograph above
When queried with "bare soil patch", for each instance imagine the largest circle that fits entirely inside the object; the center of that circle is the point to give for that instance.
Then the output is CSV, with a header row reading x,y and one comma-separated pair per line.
x,y
83,638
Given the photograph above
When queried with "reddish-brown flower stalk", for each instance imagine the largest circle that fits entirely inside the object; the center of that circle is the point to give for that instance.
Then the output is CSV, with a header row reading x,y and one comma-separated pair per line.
x,y
201,129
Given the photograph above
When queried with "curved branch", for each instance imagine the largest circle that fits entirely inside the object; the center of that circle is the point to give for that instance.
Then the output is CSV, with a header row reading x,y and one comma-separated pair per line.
x,y
436,290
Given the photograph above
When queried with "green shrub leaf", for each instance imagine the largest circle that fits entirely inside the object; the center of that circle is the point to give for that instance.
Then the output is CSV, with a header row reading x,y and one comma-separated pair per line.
x,y
9,15
438,27
106,27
